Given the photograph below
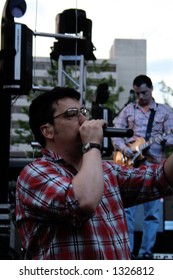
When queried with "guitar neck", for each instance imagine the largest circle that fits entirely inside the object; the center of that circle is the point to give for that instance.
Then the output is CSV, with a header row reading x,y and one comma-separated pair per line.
x,y
154,139
142,147
147,144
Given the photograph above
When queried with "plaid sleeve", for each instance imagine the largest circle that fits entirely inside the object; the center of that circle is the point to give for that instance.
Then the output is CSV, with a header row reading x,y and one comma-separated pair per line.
x,y
139,185
47,194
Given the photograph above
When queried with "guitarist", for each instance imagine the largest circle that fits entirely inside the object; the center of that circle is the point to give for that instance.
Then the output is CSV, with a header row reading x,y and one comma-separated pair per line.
x,y
147,119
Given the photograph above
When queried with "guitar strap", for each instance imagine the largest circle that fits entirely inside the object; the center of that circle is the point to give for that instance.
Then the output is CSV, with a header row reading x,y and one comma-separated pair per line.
x,y
149,128
150,124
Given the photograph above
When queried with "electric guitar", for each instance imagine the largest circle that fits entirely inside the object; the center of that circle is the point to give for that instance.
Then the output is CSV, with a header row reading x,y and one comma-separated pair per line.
x,y
138,146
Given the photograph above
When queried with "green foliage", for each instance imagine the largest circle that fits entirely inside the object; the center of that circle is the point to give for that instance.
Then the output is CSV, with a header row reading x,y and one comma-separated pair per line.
x,y
113,98
167,92
168,151
104,66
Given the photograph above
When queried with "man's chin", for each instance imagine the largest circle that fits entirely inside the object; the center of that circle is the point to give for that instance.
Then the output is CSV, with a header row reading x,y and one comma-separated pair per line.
x,y
143,103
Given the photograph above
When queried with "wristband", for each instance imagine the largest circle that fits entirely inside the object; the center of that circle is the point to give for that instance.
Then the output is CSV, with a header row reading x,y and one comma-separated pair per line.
x,y
89,146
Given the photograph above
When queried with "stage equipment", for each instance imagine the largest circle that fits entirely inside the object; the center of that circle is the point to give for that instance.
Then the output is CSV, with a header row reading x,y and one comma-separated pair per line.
x,y
73,53
98,111
15,77
117,132
102,93
16,50
73,21
132,96
168,213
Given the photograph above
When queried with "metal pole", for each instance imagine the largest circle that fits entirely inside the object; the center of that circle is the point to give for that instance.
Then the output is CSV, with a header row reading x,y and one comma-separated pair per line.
x,y
79,36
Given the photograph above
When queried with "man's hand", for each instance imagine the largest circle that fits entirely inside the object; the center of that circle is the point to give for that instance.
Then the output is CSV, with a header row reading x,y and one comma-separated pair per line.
x,y
160,140
92,131
128,152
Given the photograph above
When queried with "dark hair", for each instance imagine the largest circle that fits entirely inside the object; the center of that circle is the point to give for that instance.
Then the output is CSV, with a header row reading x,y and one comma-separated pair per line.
x,y
142,79
41,110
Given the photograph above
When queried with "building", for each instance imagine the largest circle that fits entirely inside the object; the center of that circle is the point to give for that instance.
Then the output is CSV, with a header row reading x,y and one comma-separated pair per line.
x,y
130,57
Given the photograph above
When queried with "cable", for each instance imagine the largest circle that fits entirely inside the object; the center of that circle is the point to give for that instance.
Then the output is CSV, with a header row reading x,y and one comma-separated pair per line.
x,y
34,57
76,28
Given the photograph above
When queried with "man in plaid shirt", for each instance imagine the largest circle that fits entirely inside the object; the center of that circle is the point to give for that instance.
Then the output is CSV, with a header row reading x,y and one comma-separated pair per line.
x,y
136,116
70,203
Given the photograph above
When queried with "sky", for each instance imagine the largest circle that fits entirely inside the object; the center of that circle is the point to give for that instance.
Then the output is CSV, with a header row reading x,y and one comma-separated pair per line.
x,y
111,19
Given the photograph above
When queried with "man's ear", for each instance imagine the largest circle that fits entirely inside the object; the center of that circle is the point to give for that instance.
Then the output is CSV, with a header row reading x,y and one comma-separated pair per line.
x,y
47,130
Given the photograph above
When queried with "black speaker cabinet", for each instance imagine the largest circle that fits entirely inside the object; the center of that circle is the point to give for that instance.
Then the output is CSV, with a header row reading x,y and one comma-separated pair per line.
x,y
168,213
73,21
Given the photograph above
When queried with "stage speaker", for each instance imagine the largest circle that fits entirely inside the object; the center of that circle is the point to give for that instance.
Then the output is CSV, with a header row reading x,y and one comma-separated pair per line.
x,y
73,21
16,58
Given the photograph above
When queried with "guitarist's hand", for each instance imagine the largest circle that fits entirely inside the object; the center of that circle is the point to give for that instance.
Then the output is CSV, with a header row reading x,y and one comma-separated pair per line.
x,y
128,152
160,140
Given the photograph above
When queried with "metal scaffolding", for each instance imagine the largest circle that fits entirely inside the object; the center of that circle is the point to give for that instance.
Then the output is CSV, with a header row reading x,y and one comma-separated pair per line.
x,y
77,77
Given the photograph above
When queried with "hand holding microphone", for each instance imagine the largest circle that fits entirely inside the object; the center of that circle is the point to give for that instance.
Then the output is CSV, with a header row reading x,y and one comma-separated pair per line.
x,y
90,131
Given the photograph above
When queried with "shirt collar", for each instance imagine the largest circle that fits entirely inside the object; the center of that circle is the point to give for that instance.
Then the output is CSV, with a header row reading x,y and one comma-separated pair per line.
x,y
51,156
55,158
153,105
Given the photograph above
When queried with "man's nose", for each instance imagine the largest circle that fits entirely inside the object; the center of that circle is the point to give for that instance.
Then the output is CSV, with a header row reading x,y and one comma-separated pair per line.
x,y
81,118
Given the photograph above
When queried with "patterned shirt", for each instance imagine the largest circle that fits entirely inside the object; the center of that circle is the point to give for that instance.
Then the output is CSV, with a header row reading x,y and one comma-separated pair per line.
x,y
134,117
48,216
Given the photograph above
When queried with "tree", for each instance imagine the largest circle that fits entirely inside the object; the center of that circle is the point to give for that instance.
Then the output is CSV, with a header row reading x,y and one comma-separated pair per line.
x,y
167,92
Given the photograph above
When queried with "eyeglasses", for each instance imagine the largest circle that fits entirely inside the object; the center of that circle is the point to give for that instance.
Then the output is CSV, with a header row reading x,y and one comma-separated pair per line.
x,y
74,112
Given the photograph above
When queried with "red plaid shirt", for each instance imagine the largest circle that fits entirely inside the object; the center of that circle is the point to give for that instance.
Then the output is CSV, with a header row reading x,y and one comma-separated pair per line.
x,y
49,220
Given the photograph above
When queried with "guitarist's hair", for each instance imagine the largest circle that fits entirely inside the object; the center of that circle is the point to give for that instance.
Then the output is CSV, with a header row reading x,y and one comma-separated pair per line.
x,y
142,79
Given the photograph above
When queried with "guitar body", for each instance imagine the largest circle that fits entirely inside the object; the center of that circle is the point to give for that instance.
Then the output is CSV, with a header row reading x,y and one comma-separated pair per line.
x,y
135,146
119,158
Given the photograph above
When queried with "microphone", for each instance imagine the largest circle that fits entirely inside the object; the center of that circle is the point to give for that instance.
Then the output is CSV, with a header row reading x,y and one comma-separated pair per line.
x,y
132,96
117,132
